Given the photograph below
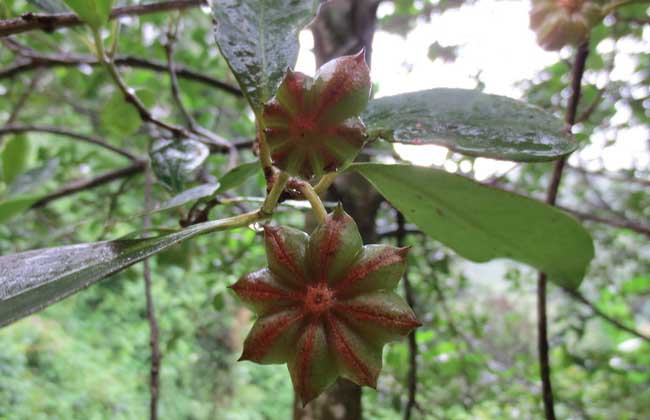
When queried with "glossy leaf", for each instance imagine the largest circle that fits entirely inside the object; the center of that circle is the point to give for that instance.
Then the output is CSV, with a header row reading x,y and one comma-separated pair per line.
x,y
259,40
32,280
15,155
482,223
93,12
469,122
238,175
193,194
175,162
15,206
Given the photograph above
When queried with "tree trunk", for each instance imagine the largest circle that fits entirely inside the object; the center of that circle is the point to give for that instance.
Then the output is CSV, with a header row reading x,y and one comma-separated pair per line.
x,y
344,27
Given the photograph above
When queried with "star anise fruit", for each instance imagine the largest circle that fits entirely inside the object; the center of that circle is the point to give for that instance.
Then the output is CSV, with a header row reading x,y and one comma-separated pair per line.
x,y
312,126
325,304
563,22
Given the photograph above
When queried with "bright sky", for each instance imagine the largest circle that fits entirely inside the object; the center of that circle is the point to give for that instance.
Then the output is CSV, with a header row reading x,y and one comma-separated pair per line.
x,y
494,39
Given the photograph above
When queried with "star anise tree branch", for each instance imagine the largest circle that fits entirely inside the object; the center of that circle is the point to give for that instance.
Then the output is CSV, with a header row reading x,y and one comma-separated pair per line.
x,y
551,198
51,22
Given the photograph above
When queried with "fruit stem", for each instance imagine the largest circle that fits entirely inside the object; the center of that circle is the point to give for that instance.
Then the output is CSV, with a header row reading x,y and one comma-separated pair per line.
x,y
274,195
325,182
265,153
316,204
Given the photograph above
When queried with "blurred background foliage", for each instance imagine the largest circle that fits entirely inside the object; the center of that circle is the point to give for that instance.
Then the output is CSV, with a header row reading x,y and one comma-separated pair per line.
x,y
88,356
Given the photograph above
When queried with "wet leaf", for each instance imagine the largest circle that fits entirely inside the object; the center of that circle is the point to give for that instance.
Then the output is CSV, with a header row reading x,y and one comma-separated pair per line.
x,y
469,122
175,162
259,40
187,196
482,223
33,280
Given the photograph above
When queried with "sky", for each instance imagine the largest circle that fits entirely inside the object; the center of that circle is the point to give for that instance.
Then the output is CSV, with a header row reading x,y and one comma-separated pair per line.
x,y
494,40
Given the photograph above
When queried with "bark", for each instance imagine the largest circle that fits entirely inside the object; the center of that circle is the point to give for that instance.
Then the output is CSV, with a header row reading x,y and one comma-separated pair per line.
x,y
344,27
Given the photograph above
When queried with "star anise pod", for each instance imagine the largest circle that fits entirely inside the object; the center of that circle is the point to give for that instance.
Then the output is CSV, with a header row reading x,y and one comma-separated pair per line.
x,y
563,22
312,126
325,304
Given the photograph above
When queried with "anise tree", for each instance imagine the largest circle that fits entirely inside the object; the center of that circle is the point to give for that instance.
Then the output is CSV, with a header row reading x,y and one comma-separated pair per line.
x,y
325,304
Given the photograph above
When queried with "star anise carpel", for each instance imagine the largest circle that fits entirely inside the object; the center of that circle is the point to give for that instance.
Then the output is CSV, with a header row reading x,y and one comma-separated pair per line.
x,y
325,304
312,125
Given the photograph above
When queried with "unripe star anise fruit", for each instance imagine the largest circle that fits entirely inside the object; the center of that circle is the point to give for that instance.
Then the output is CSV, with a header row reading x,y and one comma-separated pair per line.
x,y
325,304
312,126
563,22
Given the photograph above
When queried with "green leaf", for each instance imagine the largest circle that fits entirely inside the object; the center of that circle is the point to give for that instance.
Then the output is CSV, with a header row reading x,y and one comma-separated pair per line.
x,y
119,117
469,122
175,162
15,206
93,12
32,180
482,223
15,156
238,175
187,196
32,280
259,40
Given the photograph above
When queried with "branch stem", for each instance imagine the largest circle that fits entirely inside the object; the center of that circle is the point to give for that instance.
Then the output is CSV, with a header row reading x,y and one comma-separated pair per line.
x,y
325,182
551,198
273,196
129,94
316,204
154,329
50,22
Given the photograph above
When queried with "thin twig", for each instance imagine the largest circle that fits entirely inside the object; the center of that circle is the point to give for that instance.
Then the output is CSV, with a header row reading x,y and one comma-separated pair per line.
x,y
23,99
412,343
83,185
551,198
194,127
620,223
38,60
171,67
129,94
154,331
50,22
580,298
611,176
14,129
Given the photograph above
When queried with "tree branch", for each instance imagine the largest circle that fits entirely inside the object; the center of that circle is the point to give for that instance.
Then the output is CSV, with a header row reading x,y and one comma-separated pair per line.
x,y
83,185
14,129
620,223
412,343
611,176
580,298
37,60
51,22
154,330
176,95
551,198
